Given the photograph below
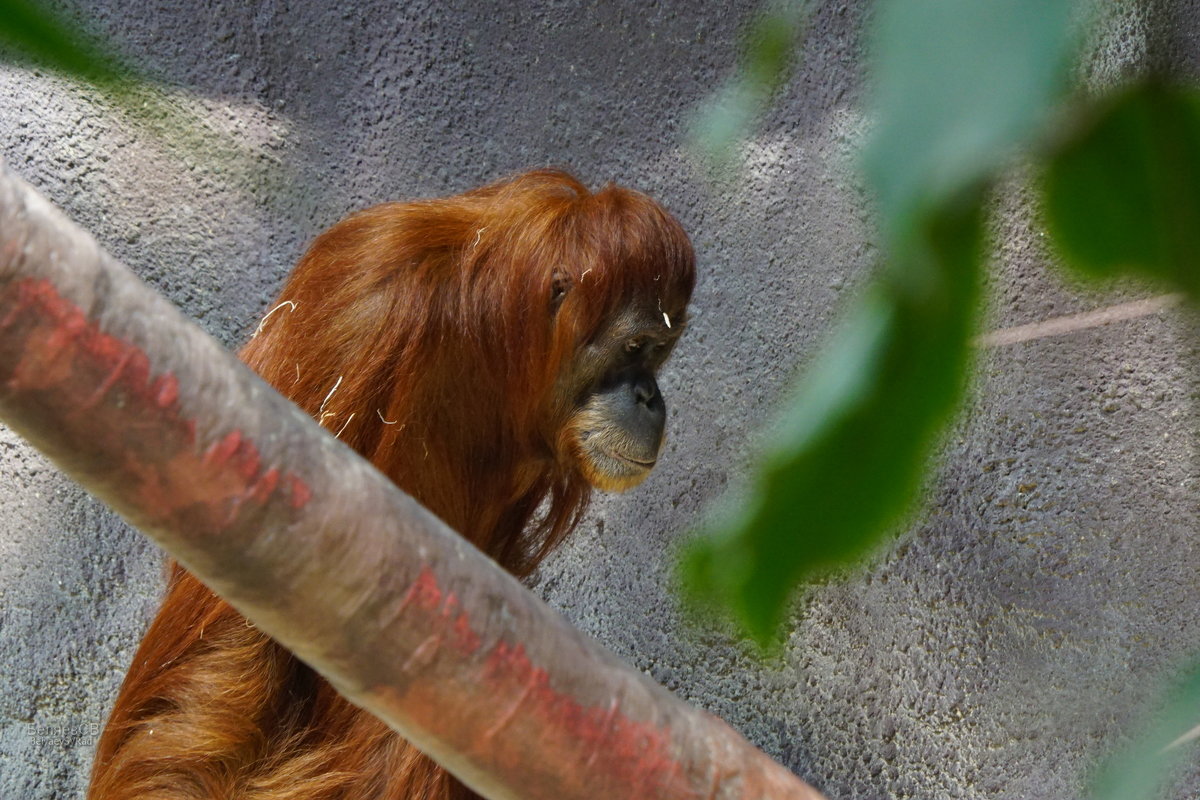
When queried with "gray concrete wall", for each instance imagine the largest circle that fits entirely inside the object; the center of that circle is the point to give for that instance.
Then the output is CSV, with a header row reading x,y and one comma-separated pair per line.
x,y
992,651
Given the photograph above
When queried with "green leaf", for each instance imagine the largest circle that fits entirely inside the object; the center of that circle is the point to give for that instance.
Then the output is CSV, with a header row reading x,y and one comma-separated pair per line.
x,y
770,43
1139,771
958,85
848,458
34,33
1122,195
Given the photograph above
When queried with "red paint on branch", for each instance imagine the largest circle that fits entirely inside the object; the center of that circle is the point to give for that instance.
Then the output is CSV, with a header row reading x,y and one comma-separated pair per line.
x,y
623,757
55,355
454,628
634,755
520,716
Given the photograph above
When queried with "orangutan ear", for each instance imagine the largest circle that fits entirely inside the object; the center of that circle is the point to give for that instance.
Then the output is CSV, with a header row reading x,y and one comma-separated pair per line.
x,y
560,284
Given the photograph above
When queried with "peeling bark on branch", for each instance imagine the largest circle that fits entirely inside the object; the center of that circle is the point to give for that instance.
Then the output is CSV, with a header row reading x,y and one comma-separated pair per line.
x,y
322,552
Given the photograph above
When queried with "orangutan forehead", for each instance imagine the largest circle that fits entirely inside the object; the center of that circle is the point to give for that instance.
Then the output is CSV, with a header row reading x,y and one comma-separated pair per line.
x,y
640,300
648,320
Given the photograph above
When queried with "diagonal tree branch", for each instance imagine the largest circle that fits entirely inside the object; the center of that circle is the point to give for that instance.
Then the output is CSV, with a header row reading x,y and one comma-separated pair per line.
x,y
322,552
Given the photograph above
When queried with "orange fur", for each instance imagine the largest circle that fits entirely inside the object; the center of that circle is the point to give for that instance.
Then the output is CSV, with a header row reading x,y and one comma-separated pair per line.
x,y
434,322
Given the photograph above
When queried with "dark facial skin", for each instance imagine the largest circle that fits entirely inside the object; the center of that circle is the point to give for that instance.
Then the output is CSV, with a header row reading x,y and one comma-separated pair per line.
x,y
619,414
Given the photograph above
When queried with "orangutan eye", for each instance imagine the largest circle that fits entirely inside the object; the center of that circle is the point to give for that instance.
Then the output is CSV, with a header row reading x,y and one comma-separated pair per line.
x,y
560,284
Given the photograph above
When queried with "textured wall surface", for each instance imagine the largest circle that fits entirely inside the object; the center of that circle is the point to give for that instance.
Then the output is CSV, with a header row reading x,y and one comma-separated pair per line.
x,y
994,650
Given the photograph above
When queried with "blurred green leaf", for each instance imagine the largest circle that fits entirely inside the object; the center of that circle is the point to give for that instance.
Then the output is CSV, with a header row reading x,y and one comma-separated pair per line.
x,y
1123,194
958,85
1139,771
31,32
848,458
770,44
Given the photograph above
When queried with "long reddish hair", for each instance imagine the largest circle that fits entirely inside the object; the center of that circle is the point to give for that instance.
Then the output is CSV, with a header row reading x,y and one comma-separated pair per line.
x,y
445,353
433,337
